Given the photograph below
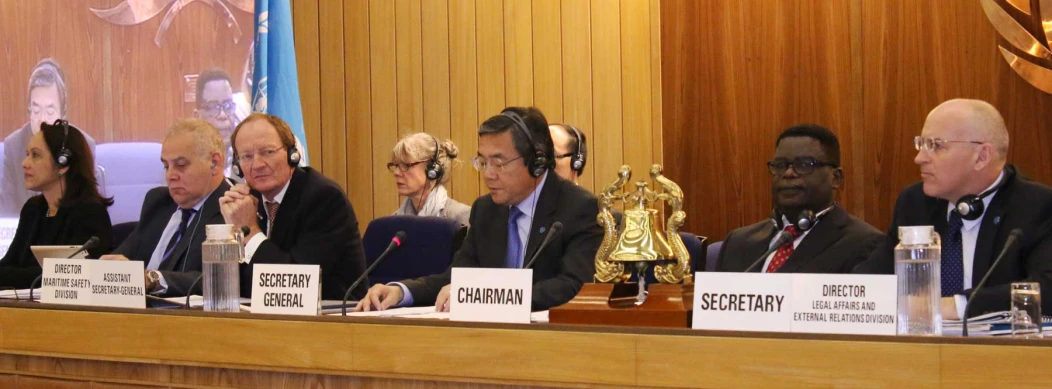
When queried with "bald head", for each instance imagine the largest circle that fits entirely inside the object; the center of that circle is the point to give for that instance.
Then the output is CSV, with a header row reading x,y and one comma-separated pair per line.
x,y
973,120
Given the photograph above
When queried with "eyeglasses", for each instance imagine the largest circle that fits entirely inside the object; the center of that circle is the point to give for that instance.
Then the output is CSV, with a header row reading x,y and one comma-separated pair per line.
x,y
498,164
266,154
214,108
38,111
936,144
802,166
404,167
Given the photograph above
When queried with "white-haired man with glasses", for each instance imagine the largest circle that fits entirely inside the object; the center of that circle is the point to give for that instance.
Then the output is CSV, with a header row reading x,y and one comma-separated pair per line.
x,y
508,224
805,175
974,199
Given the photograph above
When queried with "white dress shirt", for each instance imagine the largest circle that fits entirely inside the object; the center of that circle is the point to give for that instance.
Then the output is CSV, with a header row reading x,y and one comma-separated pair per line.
x,y
969,234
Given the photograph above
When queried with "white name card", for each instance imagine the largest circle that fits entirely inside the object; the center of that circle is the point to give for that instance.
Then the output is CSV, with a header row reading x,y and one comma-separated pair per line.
x,y
844,304
742,301
491,295
93,283
285,289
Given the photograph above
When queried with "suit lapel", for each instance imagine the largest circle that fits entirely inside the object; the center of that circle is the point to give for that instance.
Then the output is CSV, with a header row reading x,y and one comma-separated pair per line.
x,y
756,244
990,229
286,209
542,215
209,209
825,233
156,228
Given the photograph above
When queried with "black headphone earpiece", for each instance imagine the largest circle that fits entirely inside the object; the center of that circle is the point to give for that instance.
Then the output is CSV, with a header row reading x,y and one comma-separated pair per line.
x,y
434,169
539,163
64,155
971,207
294,155
577,159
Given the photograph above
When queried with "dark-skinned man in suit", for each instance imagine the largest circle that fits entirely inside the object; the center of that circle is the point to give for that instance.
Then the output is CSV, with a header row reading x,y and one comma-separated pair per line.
x,y
805,174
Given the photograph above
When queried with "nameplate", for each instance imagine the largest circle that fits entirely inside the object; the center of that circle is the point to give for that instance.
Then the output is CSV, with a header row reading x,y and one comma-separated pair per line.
x,y
285,289
491,295
844,304
743,301
118,284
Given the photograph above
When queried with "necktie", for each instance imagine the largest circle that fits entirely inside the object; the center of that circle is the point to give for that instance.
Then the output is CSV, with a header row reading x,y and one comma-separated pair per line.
x,y
952,273
785,251
513,257
186,216
272,213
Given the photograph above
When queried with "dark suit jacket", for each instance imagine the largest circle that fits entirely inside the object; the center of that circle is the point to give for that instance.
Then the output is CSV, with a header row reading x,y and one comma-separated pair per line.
x,y
837,244
565,264
13,192
1020,203
315,225
76,224
184,265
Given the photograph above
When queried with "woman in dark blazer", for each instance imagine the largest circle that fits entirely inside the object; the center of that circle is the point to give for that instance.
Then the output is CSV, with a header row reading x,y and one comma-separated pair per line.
x,y
69,210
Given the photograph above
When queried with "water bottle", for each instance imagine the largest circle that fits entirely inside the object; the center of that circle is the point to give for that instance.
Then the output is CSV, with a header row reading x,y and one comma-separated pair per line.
x,y
917,267
221,253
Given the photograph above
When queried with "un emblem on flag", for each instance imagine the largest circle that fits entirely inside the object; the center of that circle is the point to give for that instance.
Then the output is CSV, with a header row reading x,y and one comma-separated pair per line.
x,y
1025,44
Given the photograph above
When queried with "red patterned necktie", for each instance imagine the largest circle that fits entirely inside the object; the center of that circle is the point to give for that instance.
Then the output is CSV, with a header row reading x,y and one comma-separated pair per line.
x,y
783,252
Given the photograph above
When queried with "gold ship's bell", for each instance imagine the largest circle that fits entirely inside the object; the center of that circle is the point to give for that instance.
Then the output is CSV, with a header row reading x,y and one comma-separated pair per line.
x,y
642,239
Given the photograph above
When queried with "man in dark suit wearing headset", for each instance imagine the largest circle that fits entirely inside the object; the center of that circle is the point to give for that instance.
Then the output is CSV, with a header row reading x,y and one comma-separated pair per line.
x,y
974,200
571,151
172,223
805,174
294,215
509,223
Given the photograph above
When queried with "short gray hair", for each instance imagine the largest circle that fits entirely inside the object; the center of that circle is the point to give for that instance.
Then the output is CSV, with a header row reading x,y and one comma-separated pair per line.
x,y
206,137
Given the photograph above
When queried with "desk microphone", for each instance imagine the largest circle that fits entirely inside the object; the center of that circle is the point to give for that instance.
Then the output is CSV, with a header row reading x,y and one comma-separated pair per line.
x,y
396,241
1013,236
782,239
552,232
190,291
90,244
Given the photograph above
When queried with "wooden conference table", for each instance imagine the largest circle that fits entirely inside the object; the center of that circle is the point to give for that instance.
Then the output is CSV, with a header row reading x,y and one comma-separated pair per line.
x,y
45,346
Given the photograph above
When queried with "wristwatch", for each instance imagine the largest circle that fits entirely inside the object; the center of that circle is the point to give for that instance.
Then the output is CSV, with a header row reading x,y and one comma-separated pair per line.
x,y
153,280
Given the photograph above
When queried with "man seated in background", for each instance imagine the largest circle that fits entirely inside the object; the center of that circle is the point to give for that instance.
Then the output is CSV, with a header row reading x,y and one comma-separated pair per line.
x,y
571,151
214,98
962,152
303,217
508,224
172,223
47,102
805,175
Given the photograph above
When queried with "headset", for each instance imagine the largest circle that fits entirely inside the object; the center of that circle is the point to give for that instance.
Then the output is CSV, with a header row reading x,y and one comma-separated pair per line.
x,y
805,220
539,163
577,160
971,207
434,169
293,160
64,155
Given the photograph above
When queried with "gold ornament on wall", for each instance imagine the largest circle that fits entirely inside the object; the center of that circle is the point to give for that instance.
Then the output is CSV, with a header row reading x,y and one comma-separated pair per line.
x,y
132,12
1025,27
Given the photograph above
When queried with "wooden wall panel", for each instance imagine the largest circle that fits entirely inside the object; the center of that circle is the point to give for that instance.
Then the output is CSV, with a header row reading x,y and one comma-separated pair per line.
x,y
869,70
307,36
444,66
463,96
357,83
121,86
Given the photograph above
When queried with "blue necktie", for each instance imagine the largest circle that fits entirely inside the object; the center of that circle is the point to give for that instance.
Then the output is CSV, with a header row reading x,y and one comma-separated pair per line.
x,y
513,257
187,215
952,273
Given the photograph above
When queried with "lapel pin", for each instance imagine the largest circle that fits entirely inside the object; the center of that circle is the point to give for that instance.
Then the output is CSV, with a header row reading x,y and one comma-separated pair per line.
x,y
997,220
542,230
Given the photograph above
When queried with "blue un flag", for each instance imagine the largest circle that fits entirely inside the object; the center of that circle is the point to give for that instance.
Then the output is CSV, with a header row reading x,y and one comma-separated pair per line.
x,y
275,83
